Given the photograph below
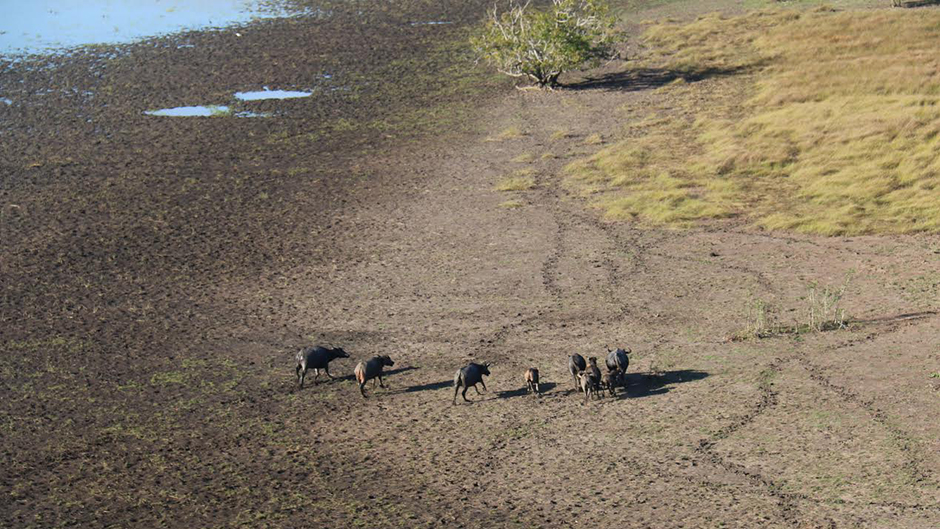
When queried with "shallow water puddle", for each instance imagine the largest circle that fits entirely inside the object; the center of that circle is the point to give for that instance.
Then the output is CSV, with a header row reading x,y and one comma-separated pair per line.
x,y
270,94
6,101
205,111
197,111
41,26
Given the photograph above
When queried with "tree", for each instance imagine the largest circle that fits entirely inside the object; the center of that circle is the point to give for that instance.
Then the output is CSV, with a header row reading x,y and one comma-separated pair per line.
x,y
540,44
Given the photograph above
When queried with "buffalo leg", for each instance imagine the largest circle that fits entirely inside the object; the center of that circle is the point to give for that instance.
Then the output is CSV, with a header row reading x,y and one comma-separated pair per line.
x,y
327,370
483,384
362,389
475,388
465,394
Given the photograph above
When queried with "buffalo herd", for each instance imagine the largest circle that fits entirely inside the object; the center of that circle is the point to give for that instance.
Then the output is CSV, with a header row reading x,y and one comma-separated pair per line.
x,y
586,374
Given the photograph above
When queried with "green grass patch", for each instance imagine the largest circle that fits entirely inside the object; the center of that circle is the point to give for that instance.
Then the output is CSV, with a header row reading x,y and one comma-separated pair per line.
x,y
826,122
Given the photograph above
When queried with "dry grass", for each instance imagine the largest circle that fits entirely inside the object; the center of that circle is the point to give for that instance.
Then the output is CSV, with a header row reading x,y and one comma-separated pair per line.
x,y
512,204
560,134
839,133
508,133
526,157
594,139
516,183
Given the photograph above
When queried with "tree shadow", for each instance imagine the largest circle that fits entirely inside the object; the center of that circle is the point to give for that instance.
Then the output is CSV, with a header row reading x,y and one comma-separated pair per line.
x,y
641,385
919,3
637,79
544,387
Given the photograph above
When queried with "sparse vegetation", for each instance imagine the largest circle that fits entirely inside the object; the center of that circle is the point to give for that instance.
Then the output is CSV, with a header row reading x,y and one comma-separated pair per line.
x,y
516,183
541,44
508,133
838,135
759,321
594,139
823,310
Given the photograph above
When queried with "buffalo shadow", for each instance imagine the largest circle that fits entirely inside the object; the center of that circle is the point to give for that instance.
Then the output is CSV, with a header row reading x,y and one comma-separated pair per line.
x,y
432,386
639,385
544,388
352,377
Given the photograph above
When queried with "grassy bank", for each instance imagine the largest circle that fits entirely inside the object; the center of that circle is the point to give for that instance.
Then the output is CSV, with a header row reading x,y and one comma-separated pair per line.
x,y
816,121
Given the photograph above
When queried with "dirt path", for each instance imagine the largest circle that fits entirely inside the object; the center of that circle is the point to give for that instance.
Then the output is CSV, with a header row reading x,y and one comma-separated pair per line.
x,y
162,393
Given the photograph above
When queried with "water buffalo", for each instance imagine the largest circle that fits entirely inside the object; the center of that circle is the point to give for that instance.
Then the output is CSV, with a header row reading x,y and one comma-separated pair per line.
x,y
594,371
618,360
371,370
532,380
611,380
576,364
470,376
316,358
588,385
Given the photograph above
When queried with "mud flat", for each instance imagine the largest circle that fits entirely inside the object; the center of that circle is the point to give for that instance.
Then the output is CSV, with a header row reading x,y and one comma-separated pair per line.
x,y
158,274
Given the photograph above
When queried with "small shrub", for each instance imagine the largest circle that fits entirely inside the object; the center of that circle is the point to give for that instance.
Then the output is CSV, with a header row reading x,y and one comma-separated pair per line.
x,y
823,310
540,44
759,321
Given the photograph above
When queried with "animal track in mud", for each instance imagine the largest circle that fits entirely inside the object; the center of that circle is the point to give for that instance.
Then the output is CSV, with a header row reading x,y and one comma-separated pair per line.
x,y
550,265
786,502
913,467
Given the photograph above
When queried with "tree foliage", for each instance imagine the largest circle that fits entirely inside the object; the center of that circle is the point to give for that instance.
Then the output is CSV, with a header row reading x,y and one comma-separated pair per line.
x,y
540,44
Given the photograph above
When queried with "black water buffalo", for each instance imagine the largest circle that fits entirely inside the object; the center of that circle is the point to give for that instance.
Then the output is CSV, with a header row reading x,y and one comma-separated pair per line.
x,y
618,360
316,358
576,364
371,370
470,376
594,371
611,380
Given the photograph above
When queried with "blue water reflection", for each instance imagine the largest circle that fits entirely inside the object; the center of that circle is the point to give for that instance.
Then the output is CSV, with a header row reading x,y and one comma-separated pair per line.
x,y
270,94
197,111
41,26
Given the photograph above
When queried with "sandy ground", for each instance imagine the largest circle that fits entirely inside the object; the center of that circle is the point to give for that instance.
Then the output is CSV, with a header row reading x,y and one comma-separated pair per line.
x,y
158,277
